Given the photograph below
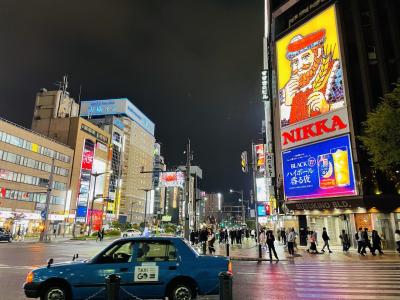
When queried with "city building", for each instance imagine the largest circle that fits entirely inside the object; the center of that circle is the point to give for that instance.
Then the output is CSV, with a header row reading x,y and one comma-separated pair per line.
x,y
27,159
137,152
91,169
159,191
213,203
329,63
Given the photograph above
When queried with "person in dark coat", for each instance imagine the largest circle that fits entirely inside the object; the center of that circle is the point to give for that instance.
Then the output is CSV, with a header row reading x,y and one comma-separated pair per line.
x,y
192,237
344,237
376,242
367,242
326,239
270,244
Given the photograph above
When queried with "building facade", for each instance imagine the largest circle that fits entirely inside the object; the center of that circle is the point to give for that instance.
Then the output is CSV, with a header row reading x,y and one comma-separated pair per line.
x,y
213,203
325,78
90,201
27,159
137,154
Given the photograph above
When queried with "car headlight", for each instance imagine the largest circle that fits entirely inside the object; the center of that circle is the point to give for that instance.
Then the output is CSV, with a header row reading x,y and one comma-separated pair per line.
x,y
29,277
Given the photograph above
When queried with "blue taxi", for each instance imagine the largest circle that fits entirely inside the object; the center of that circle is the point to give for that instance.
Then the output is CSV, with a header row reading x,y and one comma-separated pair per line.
x,y
148,267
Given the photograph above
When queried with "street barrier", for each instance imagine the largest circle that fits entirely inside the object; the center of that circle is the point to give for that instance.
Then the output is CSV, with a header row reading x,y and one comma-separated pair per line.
x,y
225,286
112,287
227,249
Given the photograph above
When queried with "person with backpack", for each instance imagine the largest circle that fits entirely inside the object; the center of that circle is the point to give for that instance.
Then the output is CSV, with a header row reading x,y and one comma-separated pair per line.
x,y
271,246
326,239
344,237
290,242
360,241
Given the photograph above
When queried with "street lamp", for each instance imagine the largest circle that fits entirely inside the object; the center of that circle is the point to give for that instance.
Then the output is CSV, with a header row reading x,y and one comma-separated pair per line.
x,y
242,200
95,175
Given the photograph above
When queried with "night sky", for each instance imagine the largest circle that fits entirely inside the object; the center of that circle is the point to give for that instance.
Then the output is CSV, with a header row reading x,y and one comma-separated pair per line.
x,y
193,67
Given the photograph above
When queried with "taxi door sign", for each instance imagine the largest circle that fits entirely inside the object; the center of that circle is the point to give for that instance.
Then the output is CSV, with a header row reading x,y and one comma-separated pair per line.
x,y
146,273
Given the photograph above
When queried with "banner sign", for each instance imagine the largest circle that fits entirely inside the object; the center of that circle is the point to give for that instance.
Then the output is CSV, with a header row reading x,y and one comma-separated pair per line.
x,y
310,81
323,169
325,126
172,179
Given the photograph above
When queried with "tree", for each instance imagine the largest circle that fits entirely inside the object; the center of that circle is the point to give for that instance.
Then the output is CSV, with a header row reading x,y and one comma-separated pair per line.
x,y
381,136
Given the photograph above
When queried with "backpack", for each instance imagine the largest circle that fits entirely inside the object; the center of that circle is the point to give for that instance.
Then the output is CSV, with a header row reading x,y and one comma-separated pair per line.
x,y
356,236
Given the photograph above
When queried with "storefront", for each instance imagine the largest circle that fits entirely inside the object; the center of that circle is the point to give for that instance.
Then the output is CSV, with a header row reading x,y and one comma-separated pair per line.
x,y
26,222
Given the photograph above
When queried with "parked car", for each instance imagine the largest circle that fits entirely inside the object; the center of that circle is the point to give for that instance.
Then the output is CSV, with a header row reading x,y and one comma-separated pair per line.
x,y
5,235
149,268
130,233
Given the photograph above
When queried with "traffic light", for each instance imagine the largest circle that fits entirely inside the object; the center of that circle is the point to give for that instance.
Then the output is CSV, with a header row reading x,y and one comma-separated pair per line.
x,y
244,164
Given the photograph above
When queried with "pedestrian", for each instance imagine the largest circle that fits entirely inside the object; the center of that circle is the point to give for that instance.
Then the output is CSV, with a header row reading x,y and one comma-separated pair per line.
x,y
192,237
211,240
326,239
247,233
367,242
226,236
308,239
360,241
98,238
313,242
239,236
278,234
290,241
19,234
262,238
397,239
102,234
253,234
376,242
271,246
344,237
283,235
55,232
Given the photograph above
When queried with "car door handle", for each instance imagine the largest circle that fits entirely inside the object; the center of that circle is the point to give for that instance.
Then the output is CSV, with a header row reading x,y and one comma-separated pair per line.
x,y
172,268
124,269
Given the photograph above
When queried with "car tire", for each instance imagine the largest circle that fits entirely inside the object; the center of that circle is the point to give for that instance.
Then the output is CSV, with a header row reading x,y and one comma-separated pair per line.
x,y
55,292
182,291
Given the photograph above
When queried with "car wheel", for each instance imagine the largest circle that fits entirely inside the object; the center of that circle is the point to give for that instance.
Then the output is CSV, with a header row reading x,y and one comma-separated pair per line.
x,y
182,291
55,292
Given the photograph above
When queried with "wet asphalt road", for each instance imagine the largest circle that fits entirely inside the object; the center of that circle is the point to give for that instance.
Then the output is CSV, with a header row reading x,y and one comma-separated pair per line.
x,y
289,279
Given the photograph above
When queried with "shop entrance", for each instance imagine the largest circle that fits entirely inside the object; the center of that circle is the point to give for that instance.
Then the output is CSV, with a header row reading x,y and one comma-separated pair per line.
x,y
333,224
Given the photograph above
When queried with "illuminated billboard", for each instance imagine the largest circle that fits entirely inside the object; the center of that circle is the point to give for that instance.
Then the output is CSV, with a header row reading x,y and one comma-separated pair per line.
x,y
319,170
310,81
172,179
260,154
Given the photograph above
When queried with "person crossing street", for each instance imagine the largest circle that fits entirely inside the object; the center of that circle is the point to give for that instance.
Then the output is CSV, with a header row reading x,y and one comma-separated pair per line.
x,y
326,239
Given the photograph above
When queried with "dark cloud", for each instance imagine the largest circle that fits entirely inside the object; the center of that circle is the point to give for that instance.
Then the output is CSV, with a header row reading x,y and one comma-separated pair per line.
x,y
192,66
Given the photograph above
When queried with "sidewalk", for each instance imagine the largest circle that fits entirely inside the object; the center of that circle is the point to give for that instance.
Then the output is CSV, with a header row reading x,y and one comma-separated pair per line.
x,y
249,251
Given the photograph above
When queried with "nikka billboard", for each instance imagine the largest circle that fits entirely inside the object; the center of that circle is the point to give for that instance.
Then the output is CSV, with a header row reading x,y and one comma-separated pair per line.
x,y
312,100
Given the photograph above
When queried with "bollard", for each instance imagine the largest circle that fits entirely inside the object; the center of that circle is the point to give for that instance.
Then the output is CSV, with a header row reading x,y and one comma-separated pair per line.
x,y
259,251
112,287
225,286
227,249
204,248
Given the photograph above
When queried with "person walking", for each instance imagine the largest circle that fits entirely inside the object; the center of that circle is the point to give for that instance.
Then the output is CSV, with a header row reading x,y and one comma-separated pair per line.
x,y
313,242
262,238
192,237
376,243
283,235
271,246
226,236
290,242
211,240
344,237
367,242
397,239
326,239
360,241
102,234
98,237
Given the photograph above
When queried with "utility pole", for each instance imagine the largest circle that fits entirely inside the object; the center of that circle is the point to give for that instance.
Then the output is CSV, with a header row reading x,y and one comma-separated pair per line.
x,y
187,190
43,234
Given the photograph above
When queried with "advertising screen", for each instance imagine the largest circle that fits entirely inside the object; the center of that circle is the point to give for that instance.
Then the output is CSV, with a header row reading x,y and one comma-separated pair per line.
x,y
261,210
172,179
319,170
259,149
310,76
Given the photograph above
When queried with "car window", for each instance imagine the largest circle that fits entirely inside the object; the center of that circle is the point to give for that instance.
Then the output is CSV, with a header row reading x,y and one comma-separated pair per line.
x,y
156,251
119,253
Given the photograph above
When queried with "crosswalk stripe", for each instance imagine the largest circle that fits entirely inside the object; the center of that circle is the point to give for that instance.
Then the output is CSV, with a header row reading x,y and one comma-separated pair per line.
x,y
330,290
343,296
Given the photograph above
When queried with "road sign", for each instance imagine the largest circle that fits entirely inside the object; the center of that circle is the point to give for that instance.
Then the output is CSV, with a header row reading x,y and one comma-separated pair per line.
x,y
43,214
